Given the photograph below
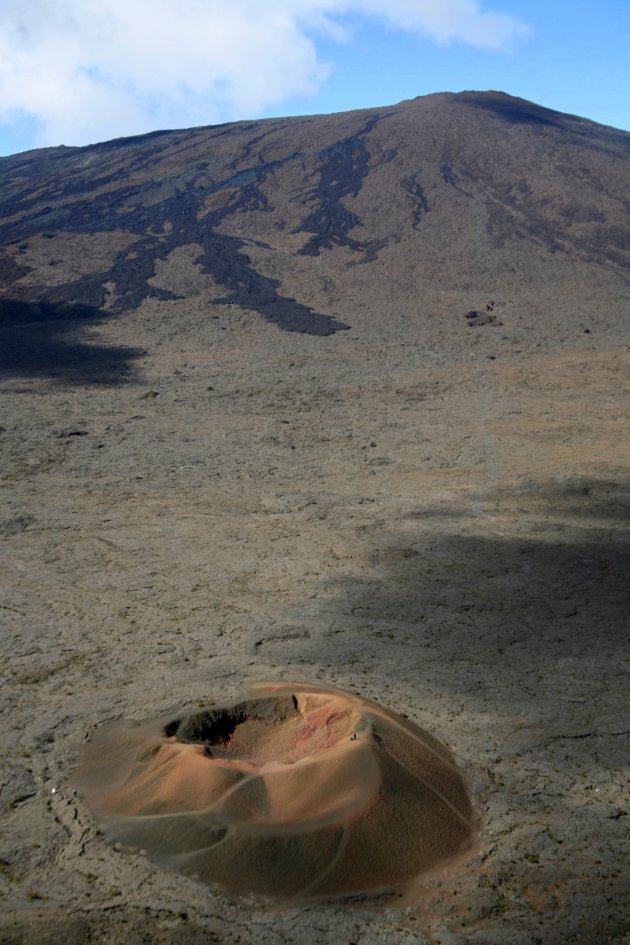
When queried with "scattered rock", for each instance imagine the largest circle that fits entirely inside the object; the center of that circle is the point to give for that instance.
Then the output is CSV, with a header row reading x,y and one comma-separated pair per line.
x,y
475,318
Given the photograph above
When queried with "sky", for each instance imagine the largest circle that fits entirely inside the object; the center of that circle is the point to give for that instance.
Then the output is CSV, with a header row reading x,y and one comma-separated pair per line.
x,y
75,72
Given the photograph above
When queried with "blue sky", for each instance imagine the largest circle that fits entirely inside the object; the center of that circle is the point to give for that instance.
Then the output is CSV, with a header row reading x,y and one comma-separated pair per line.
x,y
79,71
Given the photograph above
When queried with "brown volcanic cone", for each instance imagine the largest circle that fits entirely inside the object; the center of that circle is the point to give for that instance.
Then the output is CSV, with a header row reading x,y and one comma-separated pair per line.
x,y
294,792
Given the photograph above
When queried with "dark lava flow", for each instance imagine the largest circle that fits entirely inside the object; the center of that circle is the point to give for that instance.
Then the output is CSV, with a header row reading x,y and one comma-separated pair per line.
x,y
222,256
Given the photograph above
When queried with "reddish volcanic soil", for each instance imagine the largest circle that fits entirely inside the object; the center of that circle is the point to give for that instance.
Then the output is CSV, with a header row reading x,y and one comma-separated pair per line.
x,y
296,792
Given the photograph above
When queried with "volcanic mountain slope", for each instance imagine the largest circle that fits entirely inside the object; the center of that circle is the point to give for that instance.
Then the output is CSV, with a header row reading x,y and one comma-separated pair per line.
x,y
314,223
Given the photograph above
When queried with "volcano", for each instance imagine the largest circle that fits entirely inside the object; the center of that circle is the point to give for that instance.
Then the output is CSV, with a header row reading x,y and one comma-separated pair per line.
x,y
312,223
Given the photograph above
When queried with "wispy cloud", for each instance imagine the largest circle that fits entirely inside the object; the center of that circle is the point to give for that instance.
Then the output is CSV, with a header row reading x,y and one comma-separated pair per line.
x,y
86,70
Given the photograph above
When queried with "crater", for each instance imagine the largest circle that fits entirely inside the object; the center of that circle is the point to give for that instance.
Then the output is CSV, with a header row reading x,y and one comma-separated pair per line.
x,y
295,792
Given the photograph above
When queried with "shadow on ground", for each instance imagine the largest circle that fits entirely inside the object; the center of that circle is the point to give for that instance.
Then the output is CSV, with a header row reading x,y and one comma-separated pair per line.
x,y
520,607
562,498
505,620
45,340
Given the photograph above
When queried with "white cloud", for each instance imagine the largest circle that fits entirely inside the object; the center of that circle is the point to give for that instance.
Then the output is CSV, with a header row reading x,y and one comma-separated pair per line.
x,y
86,70
449,20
